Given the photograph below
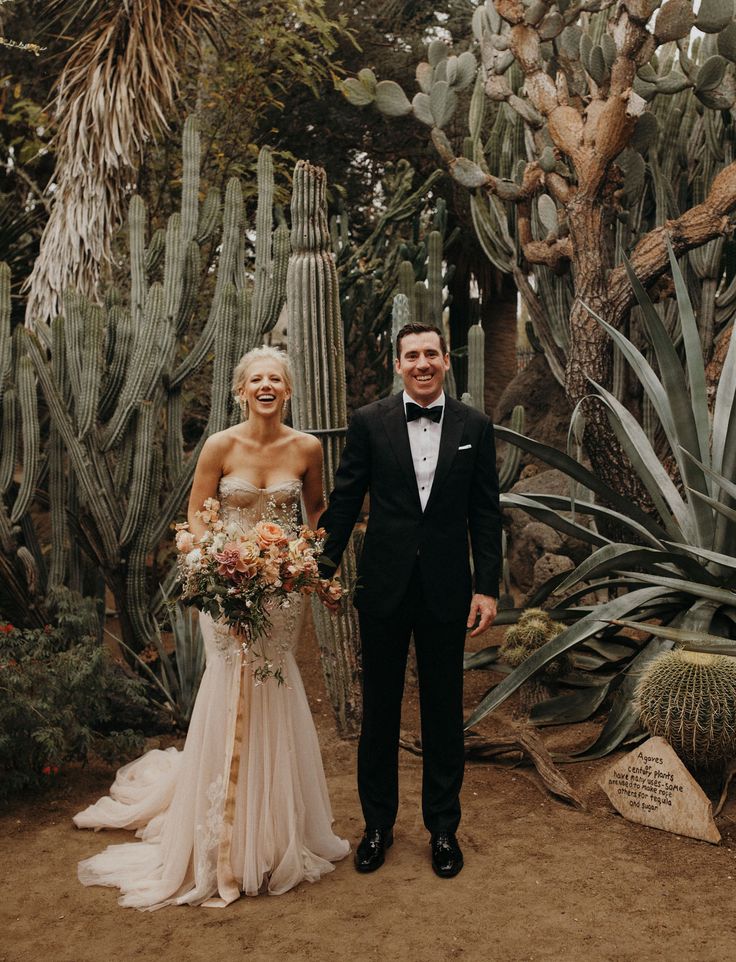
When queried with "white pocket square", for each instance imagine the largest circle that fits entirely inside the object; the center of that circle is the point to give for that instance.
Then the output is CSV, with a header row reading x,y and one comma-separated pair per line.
x,y
465,447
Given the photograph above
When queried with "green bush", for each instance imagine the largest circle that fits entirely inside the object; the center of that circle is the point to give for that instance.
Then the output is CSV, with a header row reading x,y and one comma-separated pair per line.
x,y
60,696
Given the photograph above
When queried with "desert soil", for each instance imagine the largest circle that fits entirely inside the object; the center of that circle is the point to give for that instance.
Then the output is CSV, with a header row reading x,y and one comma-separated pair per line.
x,y
543,882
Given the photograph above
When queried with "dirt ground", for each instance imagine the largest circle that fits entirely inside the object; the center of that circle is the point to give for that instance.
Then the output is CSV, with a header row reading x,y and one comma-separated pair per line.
x,y
543,882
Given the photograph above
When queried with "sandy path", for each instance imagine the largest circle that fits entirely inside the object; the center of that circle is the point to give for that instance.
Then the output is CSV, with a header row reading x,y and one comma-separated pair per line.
x,y
542,881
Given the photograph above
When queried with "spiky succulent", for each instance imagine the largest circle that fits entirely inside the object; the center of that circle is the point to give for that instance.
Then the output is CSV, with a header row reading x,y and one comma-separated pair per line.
x,y
533,630
689,698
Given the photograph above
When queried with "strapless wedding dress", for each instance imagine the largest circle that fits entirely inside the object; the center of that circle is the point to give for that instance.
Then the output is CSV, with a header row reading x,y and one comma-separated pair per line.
x,y
243,808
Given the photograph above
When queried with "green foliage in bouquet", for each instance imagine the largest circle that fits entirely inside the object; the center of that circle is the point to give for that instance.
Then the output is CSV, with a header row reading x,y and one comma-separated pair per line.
x,y
676,566
59,695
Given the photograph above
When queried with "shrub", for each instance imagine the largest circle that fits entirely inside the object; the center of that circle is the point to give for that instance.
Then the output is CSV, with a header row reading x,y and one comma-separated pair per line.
x,y
59,693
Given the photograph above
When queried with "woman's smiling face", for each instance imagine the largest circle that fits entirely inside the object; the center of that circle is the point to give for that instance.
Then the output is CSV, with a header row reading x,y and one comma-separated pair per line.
x,y
265,389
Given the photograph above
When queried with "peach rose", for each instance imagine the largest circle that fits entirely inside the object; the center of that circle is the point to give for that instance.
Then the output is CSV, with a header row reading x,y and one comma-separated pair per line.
x,y
269,533
184,541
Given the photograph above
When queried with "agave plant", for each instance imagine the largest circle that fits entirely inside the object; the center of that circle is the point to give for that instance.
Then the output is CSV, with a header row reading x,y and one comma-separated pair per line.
x,y
677,566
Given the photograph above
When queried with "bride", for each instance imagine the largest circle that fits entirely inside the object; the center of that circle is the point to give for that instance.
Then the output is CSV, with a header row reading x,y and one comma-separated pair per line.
x,y
243,807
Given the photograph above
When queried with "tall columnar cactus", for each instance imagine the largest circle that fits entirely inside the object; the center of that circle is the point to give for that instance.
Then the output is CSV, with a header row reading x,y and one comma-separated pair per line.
x,y
593,131
113,383
476,365
20,559
399,318
317,351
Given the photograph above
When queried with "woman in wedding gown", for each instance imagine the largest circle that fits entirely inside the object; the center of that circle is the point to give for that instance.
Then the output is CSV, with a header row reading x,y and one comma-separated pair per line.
x,y
243,807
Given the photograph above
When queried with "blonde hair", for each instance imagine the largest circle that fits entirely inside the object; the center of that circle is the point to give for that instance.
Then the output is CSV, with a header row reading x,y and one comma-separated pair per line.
x,y
263,353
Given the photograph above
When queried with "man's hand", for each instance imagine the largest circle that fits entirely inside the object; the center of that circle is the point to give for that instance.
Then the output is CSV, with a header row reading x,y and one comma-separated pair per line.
x,y
483,607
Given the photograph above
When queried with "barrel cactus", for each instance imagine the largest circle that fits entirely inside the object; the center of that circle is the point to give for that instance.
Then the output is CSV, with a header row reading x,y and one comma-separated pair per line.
x,y
689,698
534,629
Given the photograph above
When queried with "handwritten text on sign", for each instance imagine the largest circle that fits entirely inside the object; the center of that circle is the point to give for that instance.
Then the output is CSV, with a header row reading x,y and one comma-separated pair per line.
x,y
652,786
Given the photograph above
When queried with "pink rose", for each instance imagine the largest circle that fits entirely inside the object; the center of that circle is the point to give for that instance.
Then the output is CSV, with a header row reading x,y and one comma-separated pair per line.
x,y
231,562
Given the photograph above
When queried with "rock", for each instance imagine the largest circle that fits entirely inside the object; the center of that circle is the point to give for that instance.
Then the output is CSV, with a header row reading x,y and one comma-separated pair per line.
x,y
529,540
548,566
652,786
546,408
527,543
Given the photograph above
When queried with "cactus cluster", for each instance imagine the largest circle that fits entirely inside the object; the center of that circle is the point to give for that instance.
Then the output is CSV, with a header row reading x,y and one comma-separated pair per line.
x,y
114,377
689,698
533,630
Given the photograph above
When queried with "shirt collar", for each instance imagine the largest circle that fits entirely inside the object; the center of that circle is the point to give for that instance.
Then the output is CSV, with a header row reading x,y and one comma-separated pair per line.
x,y
438,401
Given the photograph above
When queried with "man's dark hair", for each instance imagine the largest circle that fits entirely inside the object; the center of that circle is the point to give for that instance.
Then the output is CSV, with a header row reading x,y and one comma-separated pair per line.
x,y
420,329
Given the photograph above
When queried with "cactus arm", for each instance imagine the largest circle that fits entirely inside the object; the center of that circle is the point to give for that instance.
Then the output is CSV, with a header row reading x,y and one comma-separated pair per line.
x,y
6,353
136,241
476,365
8,437
93,496
189,288
140,489
31,435
120,322
91,374
191,152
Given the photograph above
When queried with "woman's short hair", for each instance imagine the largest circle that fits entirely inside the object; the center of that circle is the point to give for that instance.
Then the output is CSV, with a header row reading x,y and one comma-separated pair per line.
x,y
264,353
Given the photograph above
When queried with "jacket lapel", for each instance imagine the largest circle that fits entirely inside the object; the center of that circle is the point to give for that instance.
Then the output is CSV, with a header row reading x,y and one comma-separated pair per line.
x,y
452,430
394,421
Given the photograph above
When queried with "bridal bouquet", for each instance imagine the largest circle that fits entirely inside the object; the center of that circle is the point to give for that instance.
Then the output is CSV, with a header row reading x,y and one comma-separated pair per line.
x,y
239,575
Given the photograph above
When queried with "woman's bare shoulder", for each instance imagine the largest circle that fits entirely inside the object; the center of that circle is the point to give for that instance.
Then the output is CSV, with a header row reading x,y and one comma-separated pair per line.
x,y
308,443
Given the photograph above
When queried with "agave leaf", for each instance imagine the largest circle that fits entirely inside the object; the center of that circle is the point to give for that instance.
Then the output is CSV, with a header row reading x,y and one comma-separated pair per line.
x,y
693,360
566,464
599,511
479,659
569,709
551,518
670,400
728,561
697,588
724,414
624,715
665,496
616,557
728,486
587,626
691,640
613,650
717,506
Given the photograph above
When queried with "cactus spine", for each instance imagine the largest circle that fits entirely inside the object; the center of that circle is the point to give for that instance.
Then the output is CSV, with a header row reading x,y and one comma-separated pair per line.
x,y
319,404
689,699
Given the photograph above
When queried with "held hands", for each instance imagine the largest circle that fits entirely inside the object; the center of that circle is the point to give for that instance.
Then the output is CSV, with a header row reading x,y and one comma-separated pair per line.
x,y
329,592
482,607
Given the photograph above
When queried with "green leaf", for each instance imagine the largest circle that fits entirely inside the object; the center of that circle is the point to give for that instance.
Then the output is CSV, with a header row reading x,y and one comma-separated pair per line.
x,y
569,709
553,519
569,466
714,15
710,74
624,716
589,625
481,659
599,511
636,444
696,588
691,640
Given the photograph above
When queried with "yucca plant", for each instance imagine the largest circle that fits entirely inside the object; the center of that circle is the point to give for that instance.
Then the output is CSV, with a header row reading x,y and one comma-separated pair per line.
x,y
677,565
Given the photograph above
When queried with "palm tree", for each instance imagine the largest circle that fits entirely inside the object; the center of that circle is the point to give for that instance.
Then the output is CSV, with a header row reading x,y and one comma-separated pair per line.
x,y
113,95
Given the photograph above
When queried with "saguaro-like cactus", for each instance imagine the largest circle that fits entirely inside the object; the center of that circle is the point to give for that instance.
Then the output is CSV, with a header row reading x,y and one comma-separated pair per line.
x,y
317,351
113,384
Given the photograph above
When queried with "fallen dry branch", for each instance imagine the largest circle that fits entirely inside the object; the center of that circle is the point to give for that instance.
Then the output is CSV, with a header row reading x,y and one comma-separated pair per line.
x,y
522,741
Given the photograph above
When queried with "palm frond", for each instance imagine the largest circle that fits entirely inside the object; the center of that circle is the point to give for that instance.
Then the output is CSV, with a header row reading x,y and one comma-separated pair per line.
x,y
114,95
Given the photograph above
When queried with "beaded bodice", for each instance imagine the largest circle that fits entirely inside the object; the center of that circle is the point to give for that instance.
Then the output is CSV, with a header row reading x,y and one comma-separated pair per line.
x,y
246,504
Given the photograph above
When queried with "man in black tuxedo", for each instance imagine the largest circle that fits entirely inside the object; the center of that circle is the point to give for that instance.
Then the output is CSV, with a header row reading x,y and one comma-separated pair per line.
x,y
429,465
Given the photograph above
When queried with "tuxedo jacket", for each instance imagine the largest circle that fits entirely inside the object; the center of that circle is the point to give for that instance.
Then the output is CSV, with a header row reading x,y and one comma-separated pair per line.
x,y
463,504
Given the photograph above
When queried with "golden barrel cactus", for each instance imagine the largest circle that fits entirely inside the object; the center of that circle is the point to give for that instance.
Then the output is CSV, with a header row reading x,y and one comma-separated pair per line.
x,y
689,698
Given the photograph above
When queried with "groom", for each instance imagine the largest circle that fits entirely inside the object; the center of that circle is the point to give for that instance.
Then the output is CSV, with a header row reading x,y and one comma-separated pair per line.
x,y
428,463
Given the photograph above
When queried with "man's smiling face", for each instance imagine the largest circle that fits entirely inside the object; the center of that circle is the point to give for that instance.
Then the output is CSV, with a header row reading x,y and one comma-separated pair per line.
x,y
422,366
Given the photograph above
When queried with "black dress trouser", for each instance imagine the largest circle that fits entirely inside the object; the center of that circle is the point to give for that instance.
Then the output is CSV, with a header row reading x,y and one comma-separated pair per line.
x,y
439,648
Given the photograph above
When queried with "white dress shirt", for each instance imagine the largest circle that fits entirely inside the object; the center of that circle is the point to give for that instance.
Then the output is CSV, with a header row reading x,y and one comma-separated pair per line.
x,y
424,440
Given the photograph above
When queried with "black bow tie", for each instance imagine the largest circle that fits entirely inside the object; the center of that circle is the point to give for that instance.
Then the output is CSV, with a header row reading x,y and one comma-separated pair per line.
x,y
415,411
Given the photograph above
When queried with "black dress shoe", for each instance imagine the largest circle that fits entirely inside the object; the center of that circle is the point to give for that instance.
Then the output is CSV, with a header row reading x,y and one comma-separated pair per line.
x,y
447,858
371,852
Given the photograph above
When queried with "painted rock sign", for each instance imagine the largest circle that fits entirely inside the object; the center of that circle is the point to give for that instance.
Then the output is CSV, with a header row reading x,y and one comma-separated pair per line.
x,y
652,786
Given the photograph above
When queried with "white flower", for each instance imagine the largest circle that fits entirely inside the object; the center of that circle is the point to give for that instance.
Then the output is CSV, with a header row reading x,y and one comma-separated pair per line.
x,y
194,558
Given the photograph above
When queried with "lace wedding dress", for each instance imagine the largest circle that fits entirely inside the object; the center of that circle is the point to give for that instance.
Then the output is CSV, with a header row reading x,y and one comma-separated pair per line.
x,y
244,806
